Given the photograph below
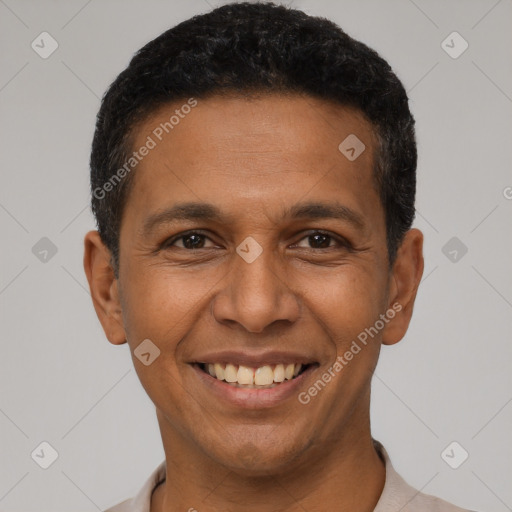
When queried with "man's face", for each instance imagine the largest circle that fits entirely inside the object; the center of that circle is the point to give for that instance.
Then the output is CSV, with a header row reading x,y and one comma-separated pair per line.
x,y
211,297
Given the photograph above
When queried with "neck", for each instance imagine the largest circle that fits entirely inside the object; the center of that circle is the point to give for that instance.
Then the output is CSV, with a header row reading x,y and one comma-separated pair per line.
x,y
344,473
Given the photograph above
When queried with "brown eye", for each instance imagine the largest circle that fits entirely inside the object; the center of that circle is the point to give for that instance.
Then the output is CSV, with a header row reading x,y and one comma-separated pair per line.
x,y
320,240
192,240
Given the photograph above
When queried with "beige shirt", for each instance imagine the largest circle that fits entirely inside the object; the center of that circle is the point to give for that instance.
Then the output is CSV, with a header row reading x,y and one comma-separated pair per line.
x,y
397,495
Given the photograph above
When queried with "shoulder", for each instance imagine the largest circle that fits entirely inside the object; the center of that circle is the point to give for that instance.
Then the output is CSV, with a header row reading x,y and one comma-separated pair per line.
x,y
398,495
124,506
142,501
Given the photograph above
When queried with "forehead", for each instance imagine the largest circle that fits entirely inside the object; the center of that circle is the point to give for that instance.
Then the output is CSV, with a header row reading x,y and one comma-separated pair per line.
x,y
297,124
256,151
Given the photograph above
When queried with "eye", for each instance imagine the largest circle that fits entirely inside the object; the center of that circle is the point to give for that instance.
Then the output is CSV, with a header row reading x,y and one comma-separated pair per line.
x,y
193,240
322,240
190,240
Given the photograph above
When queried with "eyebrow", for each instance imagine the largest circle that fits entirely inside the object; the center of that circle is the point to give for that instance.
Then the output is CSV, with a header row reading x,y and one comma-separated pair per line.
x,y
206,211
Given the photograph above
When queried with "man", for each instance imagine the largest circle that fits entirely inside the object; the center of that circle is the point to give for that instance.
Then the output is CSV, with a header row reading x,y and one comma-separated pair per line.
x,y
253,180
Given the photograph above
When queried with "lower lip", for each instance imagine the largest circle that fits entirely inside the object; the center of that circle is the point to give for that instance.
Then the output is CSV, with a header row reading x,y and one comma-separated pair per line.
x,y
254,398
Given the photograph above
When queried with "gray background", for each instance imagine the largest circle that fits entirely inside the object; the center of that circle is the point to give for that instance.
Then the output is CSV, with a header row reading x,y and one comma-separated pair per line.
x,y
62,382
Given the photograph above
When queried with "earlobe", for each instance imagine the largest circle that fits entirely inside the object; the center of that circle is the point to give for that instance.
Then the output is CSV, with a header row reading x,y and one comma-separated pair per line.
x,y
103,287
405,280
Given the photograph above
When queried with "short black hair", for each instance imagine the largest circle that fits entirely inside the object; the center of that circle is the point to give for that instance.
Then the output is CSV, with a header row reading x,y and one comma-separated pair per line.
x,y
255,48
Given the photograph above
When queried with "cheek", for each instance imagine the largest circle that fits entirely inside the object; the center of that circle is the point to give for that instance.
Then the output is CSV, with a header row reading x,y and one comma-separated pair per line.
x,y
161,304
346,307
347,303
162,307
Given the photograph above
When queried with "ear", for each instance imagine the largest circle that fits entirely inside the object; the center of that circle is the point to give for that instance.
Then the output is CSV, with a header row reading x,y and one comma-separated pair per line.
x,y
404,282
104,287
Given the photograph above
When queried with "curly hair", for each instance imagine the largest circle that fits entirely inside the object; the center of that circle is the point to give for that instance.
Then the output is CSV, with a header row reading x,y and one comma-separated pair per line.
x,y
251,48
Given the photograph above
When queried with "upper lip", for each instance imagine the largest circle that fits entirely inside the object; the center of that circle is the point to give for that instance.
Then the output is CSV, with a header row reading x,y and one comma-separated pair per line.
x,y
254,359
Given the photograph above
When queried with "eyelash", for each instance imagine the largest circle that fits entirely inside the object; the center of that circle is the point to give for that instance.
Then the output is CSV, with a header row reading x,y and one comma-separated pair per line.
x,y
339,240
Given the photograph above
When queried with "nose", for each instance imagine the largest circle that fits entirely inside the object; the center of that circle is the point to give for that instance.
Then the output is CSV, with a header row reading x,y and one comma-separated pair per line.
x,y
256,295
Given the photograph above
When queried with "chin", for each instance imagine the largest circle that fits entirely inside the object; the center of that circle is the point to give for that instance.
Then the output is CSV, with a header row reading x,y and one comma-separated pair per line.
x,y
253,459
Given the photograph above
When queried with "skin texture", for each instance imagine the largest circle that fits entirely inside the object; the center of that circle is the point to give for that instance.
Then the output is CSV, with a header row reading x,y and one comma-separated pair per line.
x,y
253,158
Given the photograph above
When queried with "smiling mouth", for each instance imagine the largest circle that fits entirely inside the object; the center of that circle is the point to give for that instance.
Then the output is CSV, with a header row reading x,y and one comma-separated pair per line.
x,y
267,376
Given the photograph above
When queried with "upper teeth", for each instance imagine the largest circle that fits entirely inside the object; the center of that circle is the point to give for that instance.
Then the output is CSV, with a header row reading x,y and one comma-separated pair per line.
x,y
262,376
